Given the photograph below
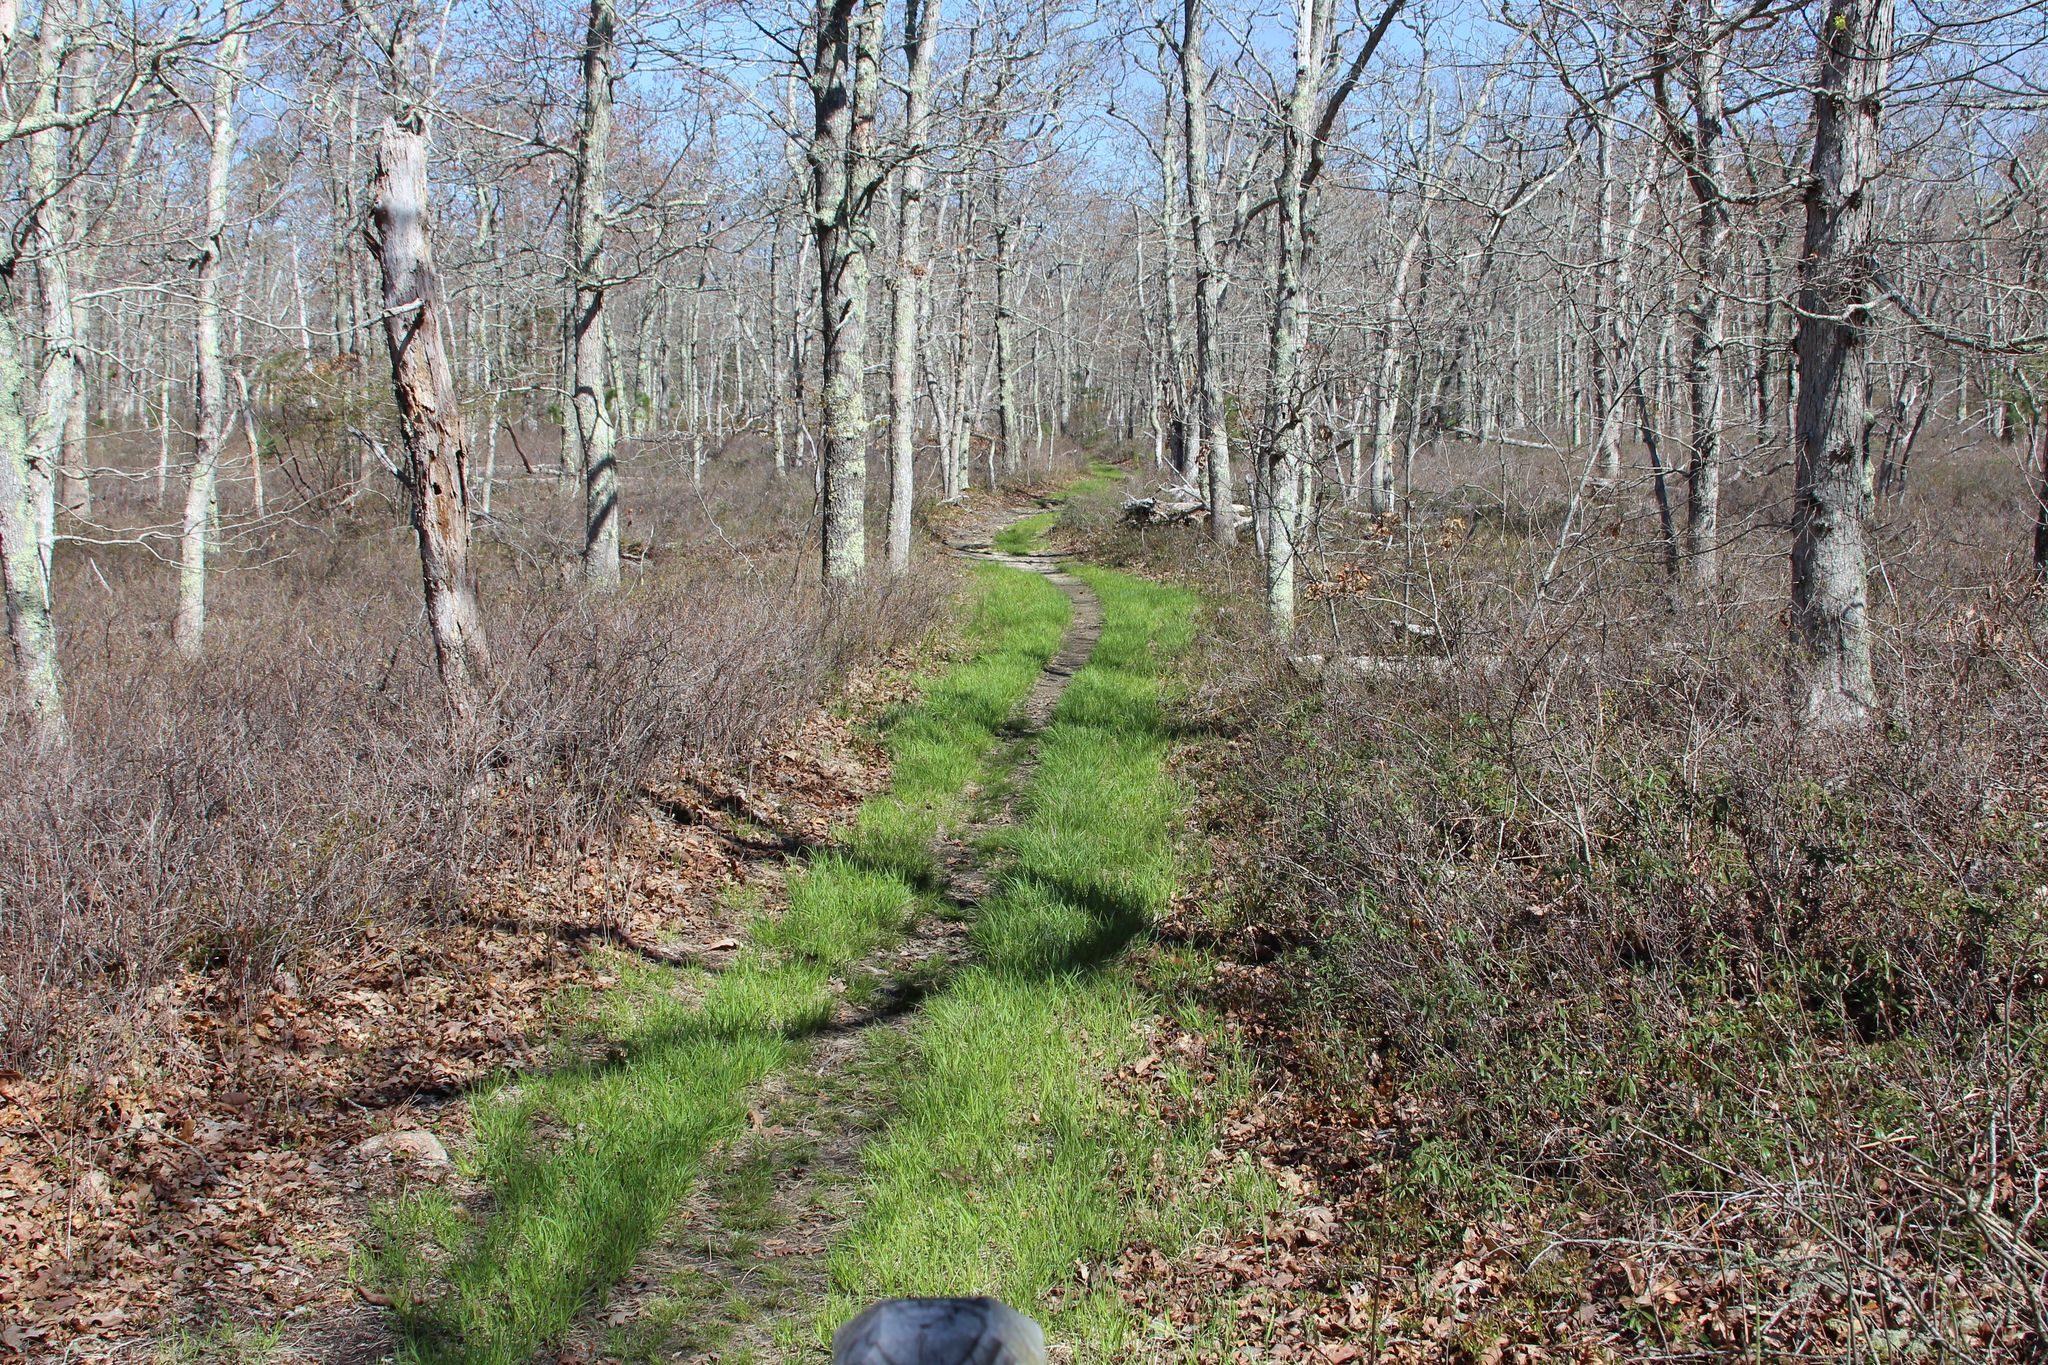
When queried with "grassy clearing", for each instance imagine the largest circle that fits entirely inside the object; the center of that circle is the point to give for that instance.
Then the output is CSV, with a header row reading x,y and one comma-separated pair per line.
x,y
585,1162
1010,1160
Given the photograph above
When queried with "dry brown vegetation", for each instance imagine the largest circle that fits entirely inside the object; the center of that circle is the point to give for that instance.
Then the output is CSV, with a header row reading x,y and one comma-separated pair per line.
x,y
1606,1012
263,905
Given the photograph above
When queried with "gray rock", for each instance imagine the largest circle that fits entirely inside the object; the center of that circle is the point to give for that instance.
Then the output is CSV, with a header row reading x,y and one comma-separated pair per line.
x,y
416,1143
939,1332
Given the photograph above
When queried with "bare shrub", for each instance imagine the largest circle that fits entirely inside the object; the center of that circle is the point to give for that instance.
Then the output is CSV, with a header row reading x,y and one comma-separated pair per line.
x,y
1740,1026
252,811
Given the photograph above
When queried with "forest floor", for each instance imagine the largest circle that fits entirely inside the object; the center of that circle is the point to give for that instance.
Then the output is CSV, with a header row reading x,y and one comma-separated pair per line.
x,y
933,1070
208,1200
912,1006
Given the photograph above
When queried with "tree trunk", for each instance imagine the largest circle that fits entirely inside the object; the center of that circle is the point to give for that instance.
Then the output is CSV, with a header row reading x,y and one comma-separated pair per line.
x,y
1705,371
844,83
1282,475
24,578
2040,462
1009,425
1387,393
1607,299
591,395
253,438
781,312
429,420
49,238
1183,409
920,38
1830,592
74,463
1212,414
210,415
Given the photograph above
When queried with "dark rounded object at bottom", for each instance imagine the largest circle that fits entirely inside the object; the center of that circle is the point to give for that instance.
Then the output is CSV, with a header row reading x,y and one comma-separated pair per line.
x,y
939,1332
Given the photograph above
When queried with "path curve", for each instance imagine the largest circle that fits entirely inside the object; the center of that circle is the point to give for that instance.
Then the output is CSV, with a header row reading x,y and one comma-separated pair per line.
x,y
1077,646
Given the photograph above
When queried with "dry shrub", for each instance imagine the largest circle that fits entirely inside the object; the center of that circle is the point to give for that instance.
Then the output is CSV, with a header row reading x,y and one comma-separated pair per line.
x,y
252,811
1732,1031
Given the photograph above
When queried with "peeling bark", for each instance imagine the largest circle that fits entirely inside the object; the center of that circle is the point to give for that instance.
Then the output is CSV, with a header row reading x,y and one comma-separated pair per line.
x,y
590,395
429,420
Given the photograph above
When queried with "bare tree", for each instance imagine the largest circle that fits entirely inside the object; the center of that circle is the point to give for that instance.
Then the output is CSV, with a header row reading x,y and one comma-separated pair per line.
x,y
1309,118
1700,149
845,81
920,39
210,407
31,446
1831,495
429,418
24,573
591,395
1212,414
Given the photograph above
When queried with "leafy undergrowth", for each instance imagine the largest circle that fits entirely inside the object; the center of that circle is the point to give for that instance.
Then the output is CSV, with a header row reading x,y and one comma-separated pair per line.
x,y
584,1162
1588,1032
1015,1166
212,1186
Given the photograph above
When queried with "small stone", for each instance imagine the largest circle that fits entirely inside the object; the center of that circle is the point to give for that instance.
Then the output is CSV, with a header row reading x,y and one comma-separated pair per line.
x,y
416,1143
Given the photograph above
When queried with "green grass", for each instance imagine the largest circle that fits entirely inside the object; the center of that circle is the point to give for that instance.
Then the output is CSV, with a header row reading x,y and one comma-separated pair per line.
x,y
1021,537
1101,478
1009,1160
586,1161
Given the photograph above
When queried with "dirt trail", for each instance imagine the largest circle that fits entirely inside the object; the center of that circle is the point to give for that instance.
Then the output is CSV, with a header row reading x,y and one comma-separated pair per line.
x,y
742,1273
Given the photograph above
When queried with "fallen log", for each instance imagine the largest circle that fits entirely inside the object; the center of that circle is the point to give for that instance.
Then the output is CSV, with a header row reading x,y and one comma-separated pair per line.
x,y
1174,512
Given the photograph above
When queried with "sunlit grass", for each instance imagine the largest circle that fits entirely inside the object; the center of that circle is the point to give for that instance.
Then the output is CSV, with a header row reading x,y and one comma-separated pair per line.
x,y
1009,1161
586,1161
1021,537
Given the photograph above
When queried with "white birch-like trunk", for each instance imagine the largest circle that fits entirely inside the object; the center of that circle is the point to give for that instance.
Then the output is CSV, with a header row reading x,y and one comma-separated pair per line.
x,y
1606,347
252,438
24,577
591,393
778,408
1706,368
1386,405
163,447
920,39
209,414
50,231
1214,416
1184,413
1282,482
1307,124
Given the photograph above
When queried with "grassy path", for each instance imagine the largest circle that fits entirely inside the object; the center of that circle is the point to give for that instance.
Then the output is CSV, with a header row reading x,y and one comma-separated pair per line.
x,y
583,1165
729,1164
1010,1168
